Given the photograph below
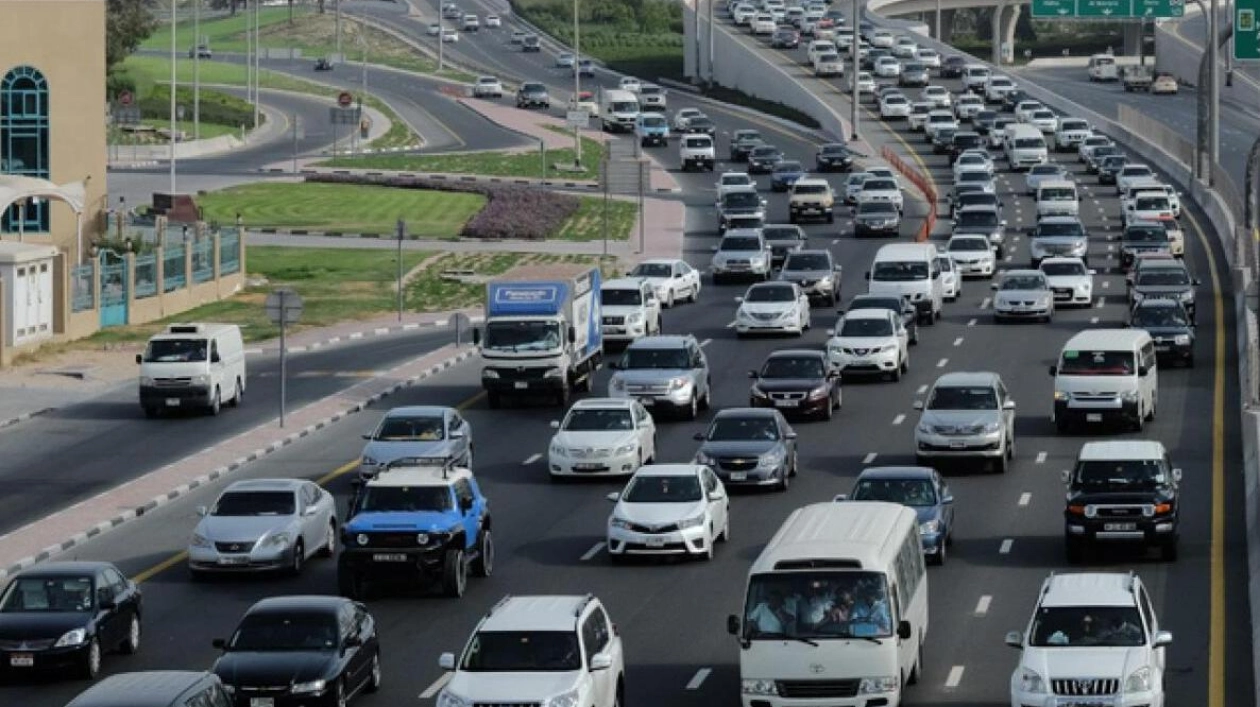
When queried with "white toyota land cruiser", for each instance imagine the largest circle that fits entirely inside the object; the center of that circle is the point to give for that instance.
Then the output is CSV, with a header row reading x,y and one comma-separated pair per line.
x,y
1093,640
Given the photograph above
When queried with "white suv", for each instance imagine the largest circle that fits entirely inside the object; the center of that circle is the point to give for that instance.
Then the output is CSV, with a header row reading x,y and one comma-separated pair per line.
x,y
1093,639
568,639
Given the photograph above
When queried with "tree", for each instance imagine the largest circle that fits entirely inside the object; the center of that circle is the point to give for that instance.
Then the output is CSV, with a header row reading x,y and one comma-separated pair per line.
x,y
127,24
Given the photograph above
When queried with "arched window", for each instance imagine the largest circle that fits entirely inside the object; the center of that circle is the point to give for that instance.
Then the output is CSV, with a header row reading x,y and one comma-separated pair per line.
x,y
24,140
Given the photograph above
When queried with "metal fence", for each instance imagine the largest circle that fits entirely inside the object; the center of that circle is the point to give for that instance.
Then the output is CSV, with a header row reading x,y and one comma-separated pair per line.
x,y
229,251
82,293
1164,137
203,260
146,276
173,275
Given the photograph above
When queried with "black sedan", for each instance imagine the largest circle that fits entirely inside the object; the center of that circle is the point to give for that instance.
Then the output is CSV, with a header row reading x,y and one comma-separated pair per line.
x,y
834,157
65,615
893,303
942,140
702,125
785,38
322,650
876,218
749,447
1110,167
1169,325
763,158
742,142
952,67
798,382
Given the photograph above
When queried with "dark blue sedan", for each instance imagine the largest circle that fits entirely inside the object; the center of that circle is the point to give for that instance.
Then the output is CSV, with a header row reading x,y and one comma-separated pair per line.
x,y
785,174
920,488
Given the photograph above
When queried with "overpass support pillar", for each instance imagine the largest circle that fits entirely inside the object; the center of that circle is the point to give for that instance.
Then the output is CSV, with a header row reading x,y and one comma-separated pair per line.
x,y
997,34
947,27
1132,38
1009,17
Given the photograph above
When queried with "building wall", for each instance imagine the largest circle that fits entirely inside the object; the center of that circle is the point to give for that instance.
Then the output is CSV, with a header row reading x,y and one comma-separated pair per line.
x,y
65,40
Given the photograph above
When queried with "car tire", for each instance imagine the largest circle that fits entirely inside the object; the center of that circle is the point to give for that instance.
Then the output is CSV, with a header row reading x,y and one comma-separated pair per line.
x,y
299,558
669,302
90,663
329,548
829,411
152,412
373,683
785,482
693,408
216,402
483,566
707,556
1000,464
493,400
131,644
939,560
237,394
454,573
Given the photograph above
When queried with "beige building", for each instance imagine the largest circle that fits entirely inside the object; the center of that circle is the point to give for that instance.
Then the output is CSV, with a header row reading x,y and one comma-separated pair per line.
x,y
55,284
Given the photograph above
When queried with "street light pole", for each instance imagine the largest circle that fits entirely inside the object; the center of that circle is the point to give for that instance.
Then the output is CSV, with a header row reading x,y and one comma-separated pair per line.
x,y
1214,127
855,23
577,87
711,79
196,69
174,87
257,54
938,20
337,3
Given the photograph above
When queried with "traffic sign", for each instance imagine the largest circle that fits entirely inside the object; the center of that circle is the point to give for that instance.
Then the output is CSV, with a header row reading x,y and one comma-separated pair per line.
x,y
1247,30
1104,8
577,119
284,306
1108,9
1159,8
1053,8
344,99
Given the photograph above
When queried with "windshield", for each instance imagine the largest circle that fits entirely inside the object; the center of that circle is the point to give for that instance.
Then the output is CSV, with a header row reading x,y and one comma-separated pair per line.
x,y
1163,276
857,179
782,233
1029,143
866,327
255,503
1057,269
879,185
411,429
817,605
741,199
522,336
656,358
1136,171
176,350
698,142
596,420
963,398
895,100
1146,234
974,177
876,208
976,198
835,150
900,272
743,429
972,159
1044,170
1144,474
810,188
1072,228
1097,363
408,499
771,293
1160,316
765,152
976,219
1152,203
793,367
787,166
1023,282
653,121
1056,194
663,489
285,632
1043,115
52,594
523,651
621,297
747,136
740,243
807,261
966,245
908,492
1087,626
627,107
652,270
1073,125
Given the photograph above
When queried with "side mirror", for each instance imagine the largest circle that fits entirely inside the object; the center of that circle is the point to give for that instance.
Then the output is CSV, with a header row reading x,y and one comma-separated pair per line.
x,y
1163,638
1054,370
216,358
831,332
753,374
476,337
458,434
715,496
615,365
1092,271
993,287
732,625
1008,405
739,299
868,274
1015,639
139,358
555,424
465,504
202,511
790,435
903,630
699,436
1002,223
1176,474
1196,282
840,497
1143,370
219,643
838,268
352,642
310,511
614,496
446,661
1065,476
947,498
366,435
601,661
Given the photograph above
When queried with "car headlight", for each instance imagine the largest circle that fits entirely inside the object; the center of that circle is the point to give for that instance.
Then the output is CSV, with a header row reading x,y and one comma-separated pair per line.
x,y
361,539
200,380
1129,396
489,373
280,539
771,459
1030,681
835,350
759,687
73,637
310,687
634,318
1187,296
1138,681
819,392
930,527
616,384
757,392
615,522
991,427
695,522
1062,396
1182,340
626,448
1084,287
569,698
924,428
788,313
679,383
874,686
743,314
888,347
1043,301
199,540
450,699
146,381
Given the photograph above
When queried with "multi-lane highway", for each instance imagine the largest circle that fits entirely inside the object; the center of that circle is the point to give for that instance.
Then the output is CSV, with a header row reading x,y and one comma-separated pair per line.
x,y
671,616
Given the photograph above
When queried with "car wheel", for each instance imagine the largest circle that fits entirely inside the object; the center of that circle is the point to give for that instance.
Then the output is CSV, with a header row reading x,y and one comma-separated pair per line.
x,y
340,698
1000,464
726,528
1061,425
299,556
940,558
785,481
829,411
454,573
237,394
483,566
90,663
669,302
374,674
330,541
131,643
693,409
905,363
216,402
709,542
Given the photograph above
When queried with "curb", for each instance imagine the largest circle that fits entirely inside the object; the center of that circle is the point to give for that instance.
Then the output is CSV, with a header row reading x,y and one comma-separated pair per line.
x,y
24,417
370,151
134,165
161,500
357,335
445,177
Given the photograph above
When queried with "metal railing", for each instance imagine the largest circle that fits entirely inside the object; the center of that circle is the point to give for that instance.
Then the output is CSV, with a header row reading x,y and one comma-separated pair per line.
x,y
145,276
82,287
203,260
229,251
173,274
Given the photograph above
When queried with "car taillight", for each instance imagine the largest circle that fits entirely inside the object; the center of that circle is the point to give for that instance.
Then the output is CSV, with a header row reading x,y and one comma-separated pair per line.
x,y
1076,510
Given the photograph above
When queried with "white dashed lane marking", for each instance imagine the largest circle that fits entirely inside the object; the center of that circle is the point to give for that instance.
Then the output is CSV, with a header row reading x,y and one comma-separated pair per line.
x,y
870,457
1024,499
706,342
1093,320
593,551
1041,457
942,363
531,459
958,341
437,685
954,678
899,419
1005,549
971,322
921,389
1106,284
982,606
698,679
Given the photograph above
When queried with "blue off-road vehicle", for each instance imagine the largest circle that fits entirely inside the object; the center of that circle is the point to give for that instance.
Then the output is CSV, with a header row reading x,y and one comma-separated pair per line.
x,y
420,520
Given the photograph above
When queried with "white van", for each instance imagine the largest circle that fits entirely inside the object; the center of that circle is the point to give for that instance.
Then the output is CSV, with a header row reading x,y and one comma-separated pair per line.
x,y
912,271
1058,198
1106,375
975,76
1025,146
1102,67
865,554
618,110
192,366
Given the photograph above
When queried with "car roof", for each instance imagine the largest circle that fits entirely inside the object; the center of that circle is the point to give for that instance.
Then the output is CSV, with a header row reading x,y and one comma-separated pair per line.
x,y
436,473
149,688
967,378
308,603
265,485
746,412
813,181
661,341
623,283
67,568
1059,219
896,472
1106,339
1088,589
603,404
1022,272
418,410
868,313
546,612
796,353
668,469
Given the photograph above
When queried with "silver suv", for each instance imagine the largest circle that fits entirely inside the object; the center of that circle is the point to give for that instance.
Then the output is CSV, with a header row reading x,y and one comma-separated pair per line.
x,y
663,372
815,272
967,416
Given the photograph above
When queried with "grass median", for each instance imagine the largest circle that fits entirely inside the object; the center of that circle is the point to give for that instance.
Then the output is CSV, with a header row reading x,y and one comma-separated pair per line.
x,y
439,290
526,165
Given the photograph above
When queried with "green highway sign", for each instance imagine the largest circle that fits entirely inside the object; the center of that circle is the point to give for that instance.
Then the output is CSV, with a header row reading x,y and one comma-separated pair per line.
x,y
1104,8
1246,30
1159,8
1111,9
1054,8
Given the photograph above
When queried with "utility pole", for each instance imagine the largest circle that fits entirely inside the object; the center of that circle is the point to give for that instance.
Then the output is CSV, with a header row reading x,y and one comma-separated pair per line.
x,y
174,87
1214,58
577,90
711,79
855,23
196,69
338,22
257,72
249,60
402,233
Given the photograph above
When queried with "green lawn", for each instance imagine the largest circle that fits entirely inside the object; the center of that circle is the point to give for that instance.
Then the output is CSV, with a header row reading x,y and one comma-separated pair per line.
x,y
588,223
149,70
643,38
495,164
429,291
346,208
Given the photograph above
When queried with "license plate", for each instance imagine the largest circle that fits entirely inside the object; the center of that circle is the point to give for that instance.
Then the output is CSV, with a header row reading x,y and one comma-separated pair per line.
x,y
1163,349
738,476
655,542
236,560
262,702
647,402
172,402
588,466
1093,417
521,385
1120,526
787,403
957,445
389,557
22,660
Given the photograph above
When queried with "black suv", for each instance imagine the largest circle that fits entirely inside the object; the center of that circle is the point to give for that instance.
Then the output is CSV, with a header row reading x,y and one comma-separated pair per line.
x,y
1164,279
952,67
963,141
834,156
1169,325
909,314
1142,237
1122,492
743,142
531,94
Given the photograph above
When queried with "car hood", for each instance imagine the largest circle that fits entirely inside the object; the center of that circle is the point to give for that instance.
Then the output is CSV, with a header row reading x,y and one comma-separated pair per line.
x,y
649,375
739,448
1165,331
1067,280
40,625
959,418
401,521
788,385
595,440
1065,662
510,687
767,307
799,275
263,668
861,342
745,254
972,256
658,514
1021,294
621,310
385,451
927,513
1157,290
241,528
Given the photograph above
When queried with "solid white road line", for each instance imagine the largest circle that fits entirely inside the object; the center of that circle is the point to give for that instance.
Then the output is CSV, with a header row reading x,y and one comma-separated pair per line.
x,y
941,363
698,679
1024,499
958,341
982,606
870,457
531,459
1006,547
593,551
437,685
955,677
705,343
899,419
1041,457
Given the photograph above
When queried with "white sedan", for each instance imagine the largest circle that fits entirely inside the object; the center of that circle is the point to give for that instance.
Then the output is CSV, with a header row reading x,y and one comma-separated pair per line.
x,y
669,509
487,87
928,57
769,307
882,189
764,24
602,437
673,279
951,281
434,29
972,255
630,83
683,117
853,186
938,96
887,67
1044,120
1070,280
894,105
1025,109
566,60
972,160
450,36
865,83
493,21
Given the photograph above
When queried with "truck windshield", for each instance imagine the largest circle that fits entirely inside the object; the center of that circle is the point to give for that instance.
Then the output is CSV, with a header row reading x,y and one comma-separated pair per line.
x,y
175,351
976,219
817,605
624,107
1030,143
621,297
1122,475
1084,626
900,272
409,499
1057,194
522,336
1097,363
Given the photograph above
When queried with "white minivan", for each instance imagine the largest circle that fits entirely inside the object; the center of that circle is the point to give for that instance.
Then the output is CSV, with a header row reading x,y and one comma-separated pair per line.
x,y
1102,67
912,271
1106,375
192,366
862,557
1025,146
1058,198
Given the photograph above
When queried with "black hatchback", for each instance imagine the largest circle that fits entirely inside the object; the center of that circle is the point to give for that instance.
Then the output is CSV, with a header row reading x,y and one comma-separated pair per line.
x,y
301,650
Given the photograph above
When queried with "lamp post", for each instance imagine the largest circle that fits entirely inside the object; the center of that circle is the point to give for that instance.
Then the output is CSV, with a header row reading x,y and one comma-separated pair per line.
x,y
577,88
938,20
854,46
337,5
196,69
363,89
174,86
258,53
